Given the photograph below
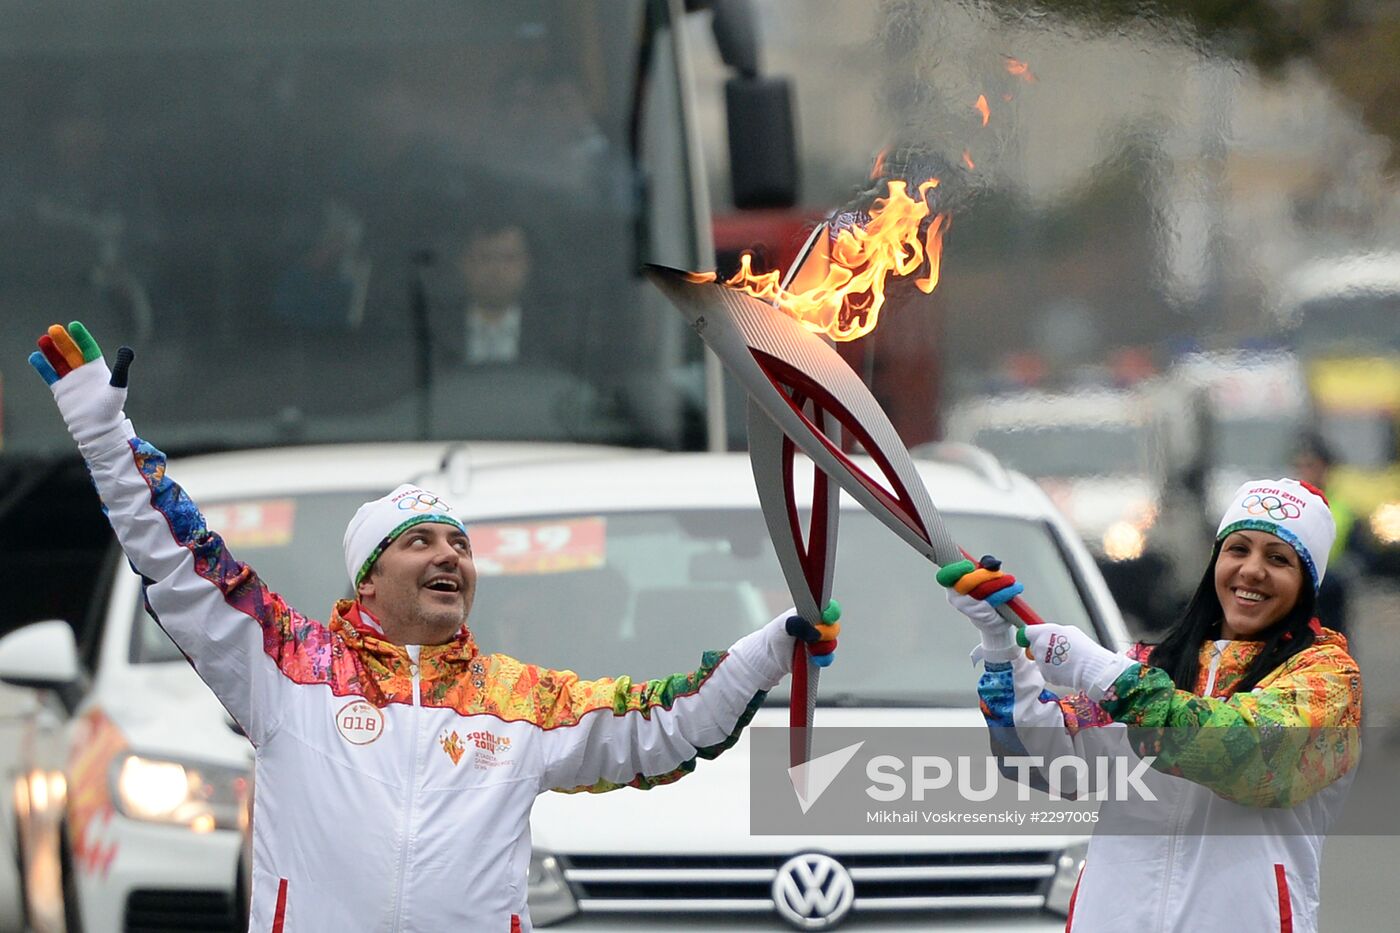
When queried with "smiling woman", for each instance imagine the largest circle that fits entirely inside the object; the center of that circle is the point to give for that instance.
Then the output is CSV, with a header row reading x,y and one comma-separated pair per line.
x,y
1248,710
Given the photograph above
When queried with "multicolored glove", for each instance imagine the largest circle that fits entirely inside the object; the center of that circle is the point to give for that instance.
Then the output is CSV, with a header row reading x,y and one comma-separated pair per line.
x,y
89,395
820,638
1070,657
976,590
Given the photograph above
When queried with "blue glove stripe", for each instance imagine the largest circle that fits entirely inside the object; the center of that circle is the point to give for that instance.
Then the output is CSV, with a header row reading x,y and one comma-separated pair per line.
x,y
1003,596
823,660
41,365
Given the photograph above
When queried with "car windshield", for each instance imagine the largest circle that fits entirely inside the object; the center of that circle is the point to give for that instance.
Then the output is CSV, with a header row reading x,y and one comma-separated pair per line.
x,y
644,594
1069,450
284,538
335,220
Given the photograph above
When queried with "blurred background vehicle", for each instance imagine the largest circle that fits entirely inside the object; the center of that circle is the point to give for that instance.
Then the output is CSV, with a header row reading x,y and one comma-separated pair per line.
x,y
601,560
1342,313
1102,456
17,707
1235,415
301,217
1357,405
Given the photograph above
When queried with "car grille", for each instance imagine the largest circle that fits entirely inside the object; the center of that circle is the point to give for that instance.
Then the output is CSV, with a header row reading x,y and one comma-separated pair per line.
x,y
742,883
159,911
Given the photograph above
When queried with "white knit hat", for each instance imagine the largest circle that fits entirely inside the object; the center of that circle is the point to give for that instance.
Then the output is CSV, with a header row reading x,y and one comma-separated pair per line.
x,y
1296,512
377,523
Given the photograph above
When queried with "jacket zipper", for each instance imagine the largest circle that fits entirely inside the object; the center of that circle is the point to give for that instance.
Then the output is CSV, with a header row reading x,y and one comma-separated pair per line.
x,y
1178,817
412,792
1170,867
1214,667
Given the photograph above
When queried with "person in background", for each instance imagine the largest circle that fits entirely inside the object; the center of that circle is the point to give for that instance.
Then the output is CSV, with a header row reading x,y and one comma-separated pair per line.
x,y
493,320
325,291
1312,463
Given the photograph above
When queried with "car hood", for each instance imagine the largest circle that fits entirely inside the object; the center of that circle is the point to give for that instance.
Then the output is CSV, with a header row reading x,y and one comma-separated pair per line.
x,y
708,812
165,709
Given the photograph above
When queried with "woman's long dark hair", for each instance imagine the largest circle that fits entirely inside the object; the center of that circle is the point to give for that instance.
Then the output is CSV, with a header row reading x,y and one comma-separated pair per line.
x,y
1179,652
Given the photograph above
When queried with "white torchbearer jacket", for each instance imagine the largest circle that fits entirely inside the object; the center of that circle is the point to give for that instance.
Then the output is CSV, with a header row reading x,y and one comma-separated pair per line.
x,y
1247,783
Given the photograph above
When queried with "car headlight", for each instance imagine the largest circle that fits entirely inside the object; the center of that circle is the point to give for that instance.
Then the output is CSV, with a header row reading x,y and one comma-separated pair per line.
x,y
201,796
549,895
1385,523
1067,869
1123,541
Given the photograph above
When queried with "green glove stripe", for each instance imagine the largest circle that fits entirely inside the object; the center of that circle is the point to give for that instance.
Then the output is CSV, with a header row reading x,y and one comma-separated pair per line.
x,y
83,339
950,574
832,612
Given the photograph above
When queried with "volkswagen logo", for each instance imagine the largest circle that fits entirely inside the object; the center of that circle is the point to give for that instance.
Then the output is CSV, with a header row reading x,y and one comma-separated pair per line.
x,y
813,891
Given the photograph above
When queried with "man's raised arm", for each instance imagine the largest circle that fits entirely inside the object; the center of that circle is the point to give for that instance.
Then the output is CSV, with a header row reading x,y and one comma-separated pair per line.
x,y
231,627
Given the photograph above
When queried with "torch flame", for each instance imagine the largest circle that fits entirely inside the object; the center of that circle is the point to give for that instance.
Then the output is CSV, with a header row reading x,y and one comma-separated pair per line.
x,y
982,108
879,168
846,302
1020,69
967,160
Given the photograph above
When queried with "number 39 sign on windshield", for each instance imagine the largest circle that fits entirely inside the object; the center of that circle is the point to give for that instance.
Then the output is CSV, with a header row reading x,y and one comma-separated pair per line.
x,y
539,547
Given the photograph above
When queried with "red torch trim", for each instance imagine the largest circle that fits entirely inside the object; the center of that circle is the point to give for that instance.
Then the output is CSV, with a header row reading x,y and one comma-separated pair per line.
x,y
782,375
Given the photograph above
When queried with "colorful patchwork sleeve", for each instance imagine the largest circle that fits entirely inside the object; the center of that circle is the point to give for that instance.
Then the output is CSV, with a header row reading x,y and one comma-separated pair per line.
x,y
229,625
996,695
601,735
1027,722
1275,746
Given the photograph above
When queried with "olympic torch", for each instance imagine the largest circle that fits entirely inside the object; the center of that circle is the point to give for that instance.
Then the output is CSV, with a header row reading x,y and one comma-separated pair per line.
x,y
807,559
804,387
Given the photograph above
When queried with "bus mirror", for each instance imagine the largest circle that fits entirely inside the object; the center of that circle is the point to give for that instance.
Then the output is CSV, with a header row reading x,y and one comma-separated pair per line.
x,y
762,142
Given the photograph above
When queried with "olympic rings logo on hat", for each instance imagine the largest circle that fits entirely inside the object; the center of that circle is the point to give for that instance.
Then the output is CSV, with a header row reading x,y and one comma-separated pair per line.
x,y
1057,650
1272,506
422,502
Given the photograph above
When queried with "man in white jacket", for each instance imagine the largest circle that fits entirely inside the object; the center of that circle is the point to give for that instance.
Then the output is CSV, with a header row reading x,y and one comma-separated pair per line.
x,y
396,764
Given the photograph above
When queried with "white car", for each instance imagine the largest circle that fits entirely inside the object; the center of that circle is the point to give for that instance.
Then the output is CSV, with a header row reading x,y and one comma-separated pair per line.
x,y
17,707
606,561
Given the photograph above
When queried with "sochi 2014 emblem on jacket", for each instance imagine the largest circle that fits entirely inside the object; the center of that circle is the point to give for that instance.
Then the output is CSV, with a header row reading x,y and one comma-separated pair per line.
x,y
452,744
